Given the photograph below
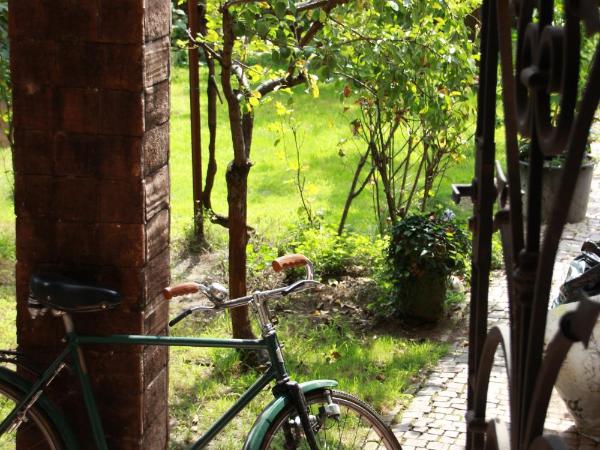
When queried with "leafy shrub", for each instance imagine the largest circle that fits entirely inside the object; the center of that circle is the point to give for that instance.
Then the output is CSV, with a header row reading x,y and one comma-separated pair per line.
x,y
335,256
5,83
259,256
427,243
497,255
179,35
421,245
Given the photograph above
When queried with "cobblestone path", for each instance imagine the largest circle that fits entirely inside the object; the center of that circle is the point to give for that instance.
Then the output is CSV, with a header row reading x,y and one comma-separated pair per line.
x,y
435,418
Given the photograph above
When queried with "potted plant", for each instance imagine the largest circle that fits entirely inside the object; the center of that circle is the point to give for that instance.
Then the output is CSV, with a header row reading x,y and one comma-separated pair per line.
x,y
424,251
551,176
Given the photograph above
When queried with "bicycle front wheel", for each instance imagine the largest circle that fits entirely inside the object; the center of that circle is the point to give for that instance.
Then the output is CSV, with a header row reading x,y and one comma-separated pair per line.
x,y
339,420
32,432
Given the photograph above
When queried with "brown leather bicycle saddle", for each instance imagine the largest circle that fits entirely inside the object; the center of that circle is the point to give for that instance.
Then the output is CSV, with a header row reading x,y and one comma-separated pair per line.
x,y
64,294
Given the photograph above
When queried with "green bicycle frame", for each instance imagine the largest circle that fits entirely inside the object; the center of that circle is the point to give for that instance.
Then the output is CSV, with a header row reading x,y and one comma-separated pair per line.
x,y
270,343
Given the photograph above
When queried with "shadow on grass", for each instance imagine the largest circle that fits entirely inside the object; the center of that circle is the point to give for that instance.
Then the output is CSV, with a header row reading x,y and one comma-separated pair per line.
x,y
205,382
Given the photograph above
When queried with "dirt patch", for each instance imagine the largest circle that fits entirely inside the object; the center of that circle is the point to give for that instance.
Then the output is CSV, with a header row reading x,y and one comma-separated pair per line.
x,y
346,299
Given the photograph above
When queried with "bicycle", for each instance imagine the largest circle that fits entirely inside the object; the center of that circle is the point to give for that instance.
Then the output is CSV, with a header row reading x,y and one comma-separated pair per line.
x,y
311,415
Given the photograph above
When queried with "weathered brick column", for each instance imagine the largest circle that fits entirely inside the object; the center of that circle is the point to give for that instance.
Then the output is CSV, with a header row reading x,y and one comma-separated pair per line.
x,y
91,111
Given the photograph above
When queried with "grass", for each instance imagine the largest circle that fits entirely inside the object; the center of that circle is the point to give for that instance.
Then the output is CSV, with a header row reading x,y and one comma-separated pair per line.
x,y
273,200
8,338
207,381
7,216
204,382
8,312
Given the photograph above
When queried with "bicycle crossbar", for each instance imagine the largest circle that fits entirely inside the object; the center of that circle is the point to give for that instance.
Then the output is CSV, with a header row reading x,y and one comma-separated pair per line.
x,y
172,341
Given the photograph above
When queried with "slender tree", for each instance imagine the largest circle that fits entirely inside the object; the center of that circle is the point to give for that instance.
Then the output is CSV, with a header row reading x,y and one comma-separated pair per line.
x,y
410,68
234,30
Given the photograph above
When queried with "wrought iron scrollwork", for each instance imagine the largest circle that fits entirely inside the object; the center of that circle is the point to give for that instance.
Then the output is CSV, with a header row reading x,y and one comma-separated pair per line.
x,y
546,100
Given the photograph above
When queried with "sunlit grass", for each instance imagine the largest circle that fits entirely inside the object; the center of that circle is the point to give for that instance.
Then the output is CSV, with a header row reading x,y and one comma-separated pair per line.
x,y
273,200
205,382
8,310
7,216
8,338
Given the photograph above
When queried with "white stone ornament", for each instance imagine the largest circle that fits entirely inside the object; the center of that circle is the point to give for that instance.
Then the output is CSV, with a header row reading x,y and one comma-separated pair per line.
x,y
578,381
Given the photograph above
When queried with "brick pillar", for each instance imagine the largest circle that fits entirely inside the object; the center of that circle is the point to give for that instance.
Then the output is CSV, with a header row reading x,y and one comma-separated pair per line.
x,y
91,114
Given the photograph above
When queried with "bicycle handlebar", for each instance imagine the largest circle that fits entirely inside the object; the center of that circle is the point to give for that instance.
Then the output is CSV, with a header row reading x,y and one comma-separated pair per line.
x,y
289,261
180,289
282,263
217,294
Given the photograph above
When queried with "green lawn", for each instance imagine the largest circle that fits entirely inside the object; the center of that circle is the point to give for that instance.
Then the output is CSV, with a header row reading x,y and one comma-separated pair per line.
x,y
377,368
207,381
273,197
7,214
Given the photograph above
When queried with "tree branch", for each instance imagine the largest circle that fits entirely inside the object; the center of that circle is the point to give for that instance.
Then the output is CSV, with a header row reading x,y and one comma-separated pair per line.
x,y
235,117
283,82
314,4
316,26
238,71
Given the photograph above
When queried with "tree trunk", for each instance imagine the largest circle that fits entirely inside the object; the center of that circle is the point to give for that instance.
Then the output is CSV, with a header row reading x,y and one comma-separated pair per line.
x,y
194,81
353,192
237,191
237,187
211,100
211,167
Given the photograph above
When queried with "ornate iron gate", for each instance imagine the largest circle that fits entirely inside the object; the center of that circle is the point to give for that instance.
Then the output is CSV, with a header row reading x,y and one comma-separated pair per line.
x,y
546,99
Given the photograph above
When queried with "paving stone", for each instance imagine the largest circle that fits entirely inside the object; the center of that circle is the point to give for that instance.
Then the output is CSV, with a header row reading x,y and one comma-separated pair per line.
x,y
451,434
447,440
412,434
437,446
429,437
439,407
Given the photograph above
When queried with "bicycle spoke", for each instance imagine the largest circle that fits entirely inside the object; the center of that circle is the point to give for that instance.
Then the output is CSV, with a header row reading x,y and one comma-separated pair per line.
x,y
354,426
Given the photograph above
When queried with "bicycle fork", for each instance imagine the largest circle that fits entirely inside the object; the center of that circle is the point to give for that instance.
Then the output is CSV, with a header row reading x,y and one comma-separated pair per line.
x,y
293,390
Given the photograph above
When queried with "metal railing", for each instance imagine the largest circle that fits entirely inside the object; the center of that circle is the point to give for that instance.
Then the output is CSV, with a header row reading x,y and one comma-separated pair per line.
x,y
549,99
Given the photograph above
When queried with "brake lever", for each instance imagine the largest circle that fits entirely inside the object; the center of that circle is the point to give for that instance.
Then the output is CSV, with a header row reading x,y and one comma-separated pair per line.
x,y
180,317
189,311
299,286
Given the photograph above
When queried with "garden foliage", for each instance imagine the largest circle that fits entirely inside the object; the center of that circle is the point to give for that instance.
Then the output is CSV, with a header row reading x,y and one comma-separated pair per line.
x,y
410,68
422,245
334,255
5,84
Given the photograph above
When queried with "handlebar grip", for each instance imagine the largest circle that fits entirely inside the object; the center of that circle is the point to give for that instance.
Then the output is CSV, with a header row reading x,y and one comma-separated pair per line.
x,y
289,261
180,289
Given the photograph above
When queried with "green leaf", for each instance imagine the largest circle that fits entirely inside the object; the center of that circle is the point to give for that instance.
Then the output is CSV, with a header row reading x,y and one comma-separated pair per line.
x,y
392,4
262,28
280,8
322,16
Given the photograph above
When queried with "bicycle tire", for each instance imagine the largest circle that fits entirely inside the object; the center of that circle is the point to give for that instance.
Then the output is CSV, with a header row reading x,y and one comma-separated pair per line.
x,y
35,432
358,426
